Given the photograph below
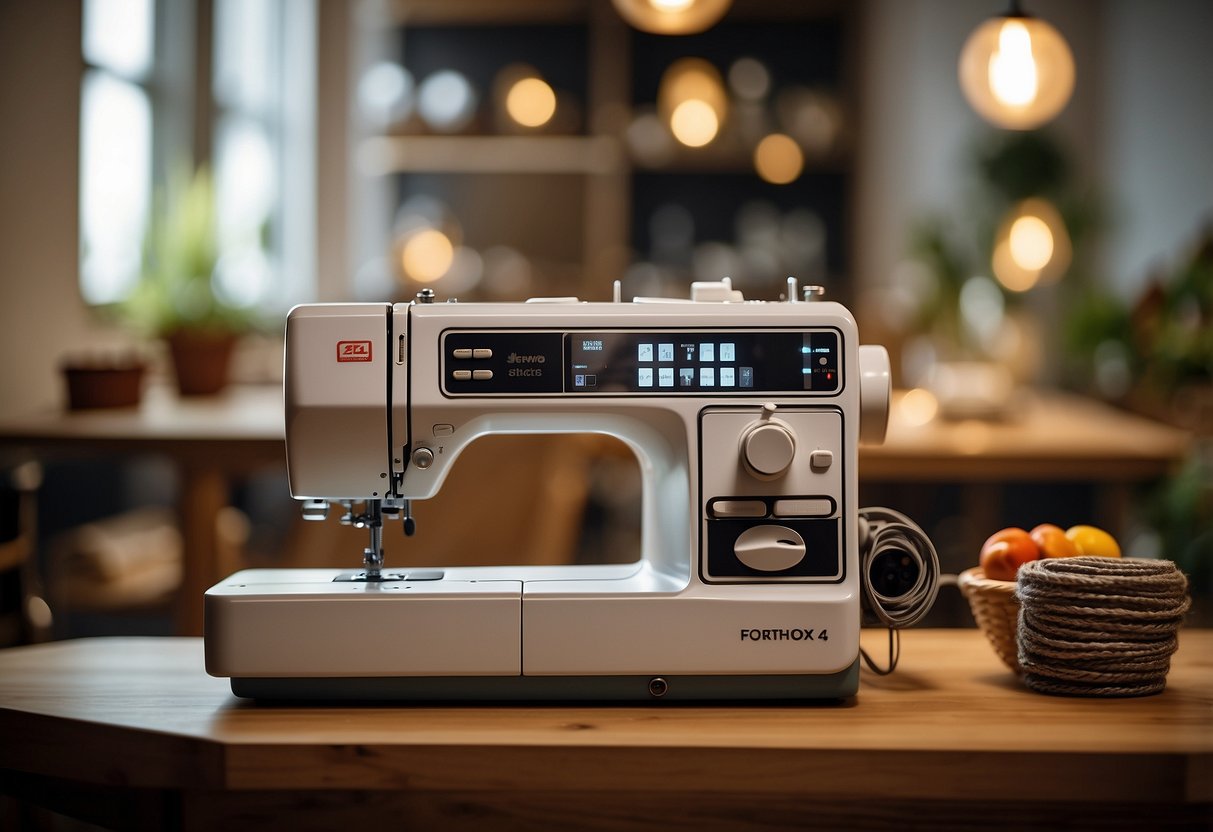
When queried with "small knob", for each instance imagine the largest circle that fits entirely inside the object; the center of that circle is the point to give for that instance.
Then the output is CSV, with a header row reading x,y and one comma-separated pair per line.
x,y
767,446
423,458
426,296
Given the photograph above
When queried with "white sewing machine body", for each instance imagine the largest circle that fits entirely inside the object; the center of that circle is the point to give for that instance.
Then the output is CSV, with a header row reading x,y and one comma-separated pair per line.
x,y
745,420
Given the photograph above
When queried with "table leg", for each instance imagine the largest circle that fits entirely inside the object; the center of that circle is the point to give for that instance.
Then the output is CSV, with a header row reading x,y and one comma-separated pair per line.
x,y
204,493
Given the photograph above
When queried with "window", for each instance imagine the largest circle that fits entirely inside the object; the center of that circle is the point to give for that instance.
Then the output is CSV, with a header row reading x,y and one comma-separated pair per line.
x,y
264,150
115,145
139,108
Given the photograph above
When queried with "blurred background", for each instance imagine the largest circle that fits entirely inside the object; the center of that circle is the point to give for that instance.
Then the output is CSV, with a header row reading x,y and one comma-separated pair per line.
x,y
1010,216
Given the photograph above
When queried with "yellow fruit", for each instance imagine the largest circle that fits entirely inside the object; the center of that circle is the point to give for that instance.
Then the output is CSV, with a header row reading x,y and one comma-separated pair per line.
x,y
1093,542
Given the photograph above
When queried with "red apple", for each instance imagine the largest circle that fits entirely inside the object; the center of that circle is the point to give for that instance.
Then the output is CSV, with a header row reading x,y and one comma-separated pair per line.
x,y
1005,551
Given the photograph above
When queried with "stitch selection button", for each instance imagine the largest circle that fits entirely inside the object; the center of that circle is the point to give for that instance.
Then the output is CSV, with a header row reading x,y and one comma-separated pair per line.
x,y
482,375
462,375
482,353
803,508
739,508
462,353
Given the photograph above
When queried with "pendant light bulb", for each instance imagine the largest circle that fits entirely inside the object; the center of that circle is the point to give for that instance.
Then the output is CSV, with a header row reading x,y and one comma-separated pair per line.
x,y
672,17
1016,71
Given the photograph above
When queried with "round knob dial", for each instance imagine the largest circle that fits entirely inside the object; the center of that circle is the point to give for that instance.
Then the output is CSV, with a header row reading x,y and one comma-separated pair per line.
x,y
423,457
767,449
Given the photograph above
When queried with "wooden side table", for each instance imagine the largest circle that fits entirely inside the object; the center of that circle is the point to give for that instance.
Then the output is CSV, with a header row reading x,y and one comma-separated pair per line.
x,y
211,439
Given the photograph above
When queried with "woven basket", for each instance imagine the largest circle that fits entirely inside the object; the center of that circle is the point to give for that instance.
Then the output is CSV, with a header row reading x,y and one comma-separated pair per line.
x,y
997,612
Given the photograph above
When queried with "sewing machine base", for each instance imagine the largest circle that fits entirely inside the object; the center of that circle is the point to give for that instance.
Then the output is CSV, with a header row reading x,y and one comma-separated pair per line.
x,y
816,687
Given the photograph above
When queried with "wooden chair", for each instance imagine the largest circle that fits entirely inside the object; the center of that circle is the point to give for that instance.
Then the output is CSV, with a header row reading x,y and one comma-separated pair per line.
x,y
25,615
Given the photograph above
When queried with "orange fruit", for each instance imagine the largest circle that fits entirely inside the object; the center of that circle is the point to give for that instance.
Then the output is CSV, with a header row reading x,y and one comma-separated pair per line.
x,y
1053,542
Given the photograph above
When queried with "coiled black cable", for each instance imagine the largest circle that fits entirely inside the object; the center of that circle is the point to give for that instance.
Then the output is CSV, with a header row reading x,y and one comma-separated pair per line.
x,y
899,573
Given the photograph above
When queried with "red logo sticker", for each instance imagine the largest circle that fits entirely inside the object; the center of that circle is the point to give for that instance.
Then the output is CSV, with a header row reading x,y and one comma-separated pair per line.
x,y
353,350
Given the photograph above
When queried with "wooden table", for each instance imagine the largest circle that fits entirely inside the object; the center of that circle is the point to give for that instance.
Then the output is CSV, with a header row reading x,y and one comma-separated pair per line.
x,y
133,731
1053,436
210,438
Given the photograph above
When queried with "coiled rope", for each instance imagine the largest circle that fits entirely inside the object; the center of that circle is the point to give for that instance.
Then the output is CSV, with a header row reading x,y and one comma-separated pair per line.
x,y
1099,626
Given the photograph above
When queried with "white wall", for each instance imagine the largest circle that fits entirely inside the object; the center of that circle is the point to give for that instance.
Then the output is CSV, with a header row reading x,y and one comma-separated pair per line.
x,y
1158,127
42,316
1140,125
914,123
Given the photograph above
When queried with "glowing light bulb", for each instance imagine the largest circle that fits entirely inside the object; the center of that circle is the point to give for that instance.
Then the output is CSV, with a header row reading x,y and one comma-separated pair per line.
x,y
1012,67
778,159
531,102
671,5
672,17
427,255
1032,246
1016,72
694,123
1031,243
692,100
1009,273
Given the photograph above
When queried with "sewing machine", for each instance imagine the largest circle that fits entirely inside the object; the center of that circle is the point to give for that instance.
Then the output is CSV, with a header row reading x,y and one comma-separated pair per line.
x,y
745,418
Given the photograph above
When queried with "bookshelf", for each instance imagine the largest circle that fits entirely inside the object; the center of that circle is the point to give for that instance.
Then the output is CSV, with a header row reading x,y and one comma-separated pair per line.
x,y
578,202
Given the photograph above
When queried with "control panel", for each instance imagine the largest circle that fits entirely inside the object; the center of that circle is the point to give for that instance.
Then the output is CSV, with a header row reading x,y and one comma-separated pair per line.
x,y
733,362
772,494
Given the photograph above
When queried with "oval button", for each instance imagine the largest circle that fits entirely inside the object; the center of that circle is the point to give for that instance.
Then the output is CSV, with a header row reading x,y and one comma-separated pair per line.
x,y
739,508
769,548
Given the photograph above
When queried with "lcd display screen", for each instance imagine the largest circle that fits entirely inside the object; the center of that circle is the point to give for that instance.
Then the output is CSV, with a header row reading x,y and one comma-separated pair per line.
x,y
718,361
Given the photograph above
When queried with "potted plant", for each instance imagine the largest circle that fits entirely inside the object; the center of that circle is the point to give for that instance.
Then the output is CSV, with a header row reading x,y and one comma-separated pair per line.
x,y
175,298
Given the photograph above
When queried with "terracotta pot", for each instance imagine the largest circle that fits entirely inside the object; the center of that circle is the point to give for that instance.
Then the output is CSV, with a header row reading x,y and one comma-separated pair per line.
x,y
100,385
201,360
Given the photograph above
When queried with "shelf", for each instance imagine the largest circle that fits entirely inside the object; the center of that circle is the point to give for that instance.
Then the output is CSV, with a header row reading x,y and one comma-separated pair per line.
x,y
486,12
734,160
383,155
597,192
498,12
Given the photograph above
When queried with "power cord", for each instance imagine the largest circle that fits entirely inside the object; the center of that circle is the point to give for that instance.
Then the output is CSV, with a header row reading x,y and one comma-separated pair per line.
x,y
899,572
894,655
